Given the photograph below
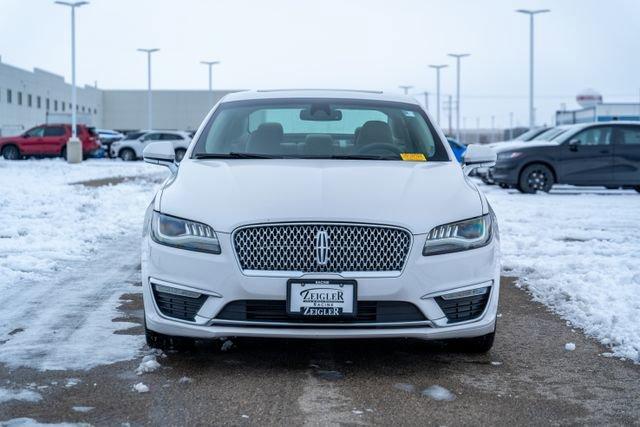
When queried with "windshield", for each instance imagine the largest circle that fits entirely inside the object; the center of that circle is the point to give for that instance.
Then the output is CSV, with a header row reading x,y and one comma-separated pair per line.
x,y
320,129
530,134
134,135
550,134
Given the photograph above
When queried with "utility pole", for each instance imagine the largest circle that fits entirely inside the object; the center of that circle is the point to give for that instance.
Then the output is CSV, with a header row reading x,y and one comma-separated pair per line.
x,y
493,128
438,68
458,56
511,126
149,95
464,126
74,146
531,13
450,113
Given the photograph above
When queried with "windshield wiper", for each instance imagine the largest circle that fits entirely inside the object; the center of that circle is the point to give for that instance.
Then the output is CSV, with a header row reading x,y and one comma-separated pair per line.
x,y
362,157
234,155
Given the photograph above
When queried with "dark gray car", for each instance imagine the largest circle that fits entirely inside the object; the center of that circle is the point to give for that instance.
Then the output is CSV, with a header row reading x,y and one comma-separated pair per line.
x,y
606,154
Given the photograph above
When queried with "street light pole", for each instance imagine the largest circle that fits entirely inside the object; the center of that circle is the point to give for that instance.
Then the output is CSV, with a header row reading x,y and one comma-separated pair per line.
x,y
531,14
210,64
149,95
426,100
405,88
438,68
74,147
458,56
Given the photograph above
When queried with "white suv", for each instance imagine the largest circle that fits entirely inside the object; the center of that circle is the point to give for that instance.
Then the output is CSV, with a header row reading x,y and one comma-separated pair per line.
x,y
320,214
131,147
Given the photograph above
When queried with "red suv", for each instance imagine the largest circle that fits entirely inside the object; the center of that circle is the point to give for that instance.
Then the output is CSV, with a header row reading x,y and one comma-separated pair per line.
x,y
48,140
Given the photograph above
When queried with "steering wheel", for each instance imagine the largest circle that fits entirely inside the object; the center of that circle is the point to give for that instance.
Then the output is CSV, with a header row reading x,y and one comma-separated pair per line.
x,y
381,148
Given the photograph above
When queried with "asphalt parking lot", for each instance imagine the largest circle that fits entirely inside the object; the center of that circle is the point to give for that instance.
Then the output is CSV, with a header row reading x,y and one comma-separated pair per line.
x,y
528,378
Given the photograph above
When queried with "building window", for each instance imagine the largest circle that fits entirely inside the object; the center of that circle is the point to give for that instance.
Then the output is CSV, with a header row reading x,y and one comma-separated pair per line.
x,y
38,102
70,107
55,105
29,100
83,108
19,98
47,104
95,111
62,105
9,96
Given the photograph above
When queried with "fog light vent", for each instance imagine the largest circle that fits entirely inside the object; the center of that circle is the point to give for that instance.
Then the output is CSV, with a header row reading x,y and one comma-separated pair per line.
x,y
464,305
178,303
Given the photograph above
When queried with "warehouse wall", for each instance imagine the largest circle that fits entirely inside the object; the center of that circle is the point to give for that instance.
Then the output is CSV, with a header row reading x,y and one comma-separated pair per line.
x,y
24,95
172,109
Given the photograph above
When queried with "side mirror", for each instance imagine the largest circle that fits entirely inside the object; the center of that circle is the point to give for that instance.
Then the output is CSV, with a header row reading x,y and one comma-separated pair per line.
x,y
477,156
573,144
25,135
161,153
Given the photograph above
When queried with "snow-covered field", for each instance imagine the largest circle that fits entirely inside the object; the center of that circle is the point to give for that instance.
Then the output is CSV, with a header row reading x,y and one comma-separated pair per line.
x,y
67,253
577,250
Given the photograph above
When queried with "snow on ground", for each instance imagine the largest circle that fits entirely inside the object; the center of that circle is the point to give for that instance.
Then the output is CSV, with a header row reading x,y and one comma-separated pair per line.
x,y
577,250
67,254
30,422
439,393
23,395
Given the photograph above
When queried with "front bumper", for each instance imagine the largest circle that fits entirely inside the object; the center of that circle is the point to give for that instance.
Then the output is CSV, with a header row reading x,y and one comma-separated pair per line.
x,y
505,173
220,277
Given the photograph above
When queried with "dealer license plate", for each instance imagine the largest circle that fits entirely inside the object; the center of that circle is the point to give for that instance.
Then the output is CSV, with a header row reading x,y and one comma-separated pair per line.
x,y
321,298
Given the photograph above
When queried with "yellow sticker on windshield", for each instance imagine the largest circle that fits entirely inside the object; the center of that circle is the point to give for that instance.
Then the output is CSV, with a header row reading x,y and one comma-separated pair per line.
x,y
413,157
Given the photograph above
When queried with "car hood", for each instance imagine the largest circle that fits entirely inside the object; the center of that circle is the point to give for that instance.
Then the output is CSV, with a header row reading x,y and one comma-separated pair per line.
x,y
226,194
516,145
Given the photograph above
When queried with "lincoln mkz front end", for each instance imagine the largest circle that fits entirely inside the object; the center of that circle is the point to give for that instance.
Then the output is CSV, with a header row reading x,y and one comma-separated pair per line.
x,y
320,215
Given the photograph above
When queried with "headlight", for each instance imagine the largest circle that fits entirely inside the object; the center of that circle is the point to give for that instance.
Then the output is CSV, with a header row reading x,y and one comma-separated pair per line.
x,y
184,234
459,236
509,155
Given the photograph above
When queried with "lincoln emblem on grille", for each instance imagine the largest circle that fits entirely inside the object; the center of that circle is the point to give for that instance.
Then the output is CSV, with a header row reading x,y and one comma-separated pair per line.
x,y
322,247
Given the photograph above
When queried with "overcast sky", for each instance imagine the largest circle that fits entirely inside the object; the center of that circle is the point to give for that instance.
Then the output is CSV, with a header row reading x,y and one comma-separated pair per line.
x,y
363,44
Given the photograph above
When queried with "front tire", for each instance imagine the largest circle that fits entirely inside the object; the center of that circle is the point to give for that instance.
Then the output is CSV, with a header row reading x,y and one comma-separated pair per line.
x,y
127,154
477,344
536,177
166,342
637,188
11,152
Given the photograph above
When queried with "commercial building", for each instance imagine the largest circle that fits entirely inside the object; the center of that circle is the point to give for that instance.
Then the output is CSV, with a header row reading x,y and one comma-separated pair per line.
x,y
599,113
30,98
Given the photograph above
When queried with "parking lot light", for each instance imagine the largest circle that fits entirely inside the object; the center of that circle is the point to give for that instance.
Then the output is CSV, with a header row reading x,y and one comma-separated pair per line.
x,y
74,147
438,68
210,65
149,95
405,88
531,14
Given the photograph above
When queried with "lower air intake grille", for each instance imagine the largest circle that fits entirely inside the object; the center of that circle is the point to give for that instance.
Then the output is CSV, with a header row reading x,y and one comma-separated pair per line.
x,y
462,309
178,306
276,311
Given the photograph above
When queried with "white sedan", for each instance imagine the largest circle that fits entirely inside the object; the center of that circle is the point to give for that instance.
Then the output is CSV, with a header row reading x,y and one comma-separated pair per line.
x,y
320,214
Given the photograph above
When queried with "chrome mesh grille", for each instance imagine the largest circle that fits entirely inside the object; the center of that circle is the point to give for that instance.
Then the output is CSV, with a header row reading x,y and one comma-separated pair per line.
x,y
293,247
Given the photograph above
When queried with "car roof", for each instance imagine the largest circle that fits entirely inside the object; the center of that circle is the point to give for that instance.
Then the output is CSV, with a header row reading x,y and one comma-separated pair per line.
x,y
607,123
345,94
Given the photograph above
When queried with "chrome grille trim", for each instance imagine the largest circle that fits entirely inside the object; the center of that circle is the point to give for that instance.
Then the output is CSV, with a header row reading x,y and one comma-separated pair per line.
x,y
291,248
